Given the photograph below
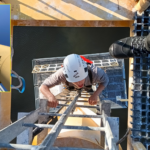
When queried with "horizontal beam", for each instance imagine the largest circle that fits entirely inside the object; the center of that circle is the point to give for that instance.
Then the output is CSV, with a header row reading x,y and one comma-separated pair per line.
x,y
65,127
82,96
124,100
82,116
85,96
87,92
19,146
85,106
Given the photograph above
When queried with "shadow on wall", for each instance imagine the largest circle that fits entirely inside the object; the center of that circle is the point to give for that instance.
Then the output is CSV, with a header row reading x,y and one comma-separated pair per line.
x,y
15,9
85,10
103,8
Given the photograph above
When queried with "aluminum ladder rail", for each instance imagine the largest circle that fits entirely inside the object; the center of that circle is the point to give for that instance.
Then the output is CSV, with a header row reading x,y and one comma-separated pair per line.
x,y
110,125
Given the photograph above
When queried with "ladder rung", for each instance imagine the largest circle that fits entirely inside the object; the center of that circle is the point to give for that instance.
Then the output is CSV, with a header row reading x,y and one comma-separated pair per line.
x,y
87,92
86,106
85,96
71,100
82,116
72,148
65,127
19,146
82,96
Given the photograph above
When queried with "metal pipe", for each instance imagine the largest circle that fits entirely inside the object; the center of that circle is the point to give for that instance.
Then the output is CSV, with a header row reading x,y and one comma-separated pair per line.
x,y
82,96
80,106
71,100
66,127
83,116
87,92
50,138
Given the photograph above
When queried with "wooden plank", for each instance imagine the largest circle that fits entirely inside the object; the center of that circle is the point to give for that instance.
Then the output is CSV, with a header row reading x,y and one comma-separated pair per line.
x,y
71,10
129,145
123,100
138,146
130,87
5,109
141,6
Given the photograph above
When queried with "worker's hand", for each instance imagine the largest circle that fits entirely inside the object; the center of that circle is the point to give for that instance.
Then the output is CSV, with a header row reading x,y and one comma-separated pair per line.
x,y
52,102
93,99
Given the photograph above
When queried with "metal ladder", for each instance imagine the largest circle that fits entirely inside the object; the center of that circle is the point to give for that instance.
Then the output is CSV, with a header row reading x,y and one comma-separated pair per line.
x,y
109,129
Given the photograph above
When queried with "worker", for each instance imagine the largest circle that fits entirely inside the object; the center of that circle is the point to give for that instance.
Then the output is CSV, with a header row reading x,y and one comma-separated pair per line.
x,y
130,46
78,74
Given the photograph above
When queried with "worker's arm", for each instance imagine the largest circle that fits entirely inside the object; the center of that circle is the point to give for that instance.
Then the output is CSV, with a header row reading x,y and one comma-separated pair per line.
x,y
53,80
93,99
100,77
52,101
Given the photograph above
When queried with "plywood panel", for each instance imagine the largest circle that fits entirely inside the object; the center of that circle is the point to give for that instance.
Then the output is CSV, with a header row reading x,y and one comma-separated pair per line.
x,y
5,109
71,9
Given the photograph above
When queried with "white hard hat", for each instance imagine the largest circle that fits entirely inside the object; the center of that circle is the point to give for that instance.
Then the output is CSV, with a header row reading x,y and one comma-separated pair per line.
x,y
75,68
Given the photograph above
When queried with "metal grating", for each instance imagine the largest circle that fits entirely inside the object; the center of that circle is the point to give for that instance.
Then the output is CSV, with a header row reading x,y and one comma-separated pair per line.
x,y
115,90
141,85
55,67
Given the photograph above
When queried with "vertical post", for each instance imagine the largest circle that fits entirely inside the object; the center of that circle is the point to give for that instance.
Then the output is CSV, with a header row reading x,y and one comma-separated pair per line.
x,y
130,93
44,108
106,109
26,136
112,132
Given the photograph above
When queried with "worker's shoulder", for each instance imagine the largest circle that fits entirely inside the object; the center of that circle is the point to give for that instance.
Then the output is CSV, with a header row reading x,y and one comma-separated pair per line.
x,y
95,70
59,73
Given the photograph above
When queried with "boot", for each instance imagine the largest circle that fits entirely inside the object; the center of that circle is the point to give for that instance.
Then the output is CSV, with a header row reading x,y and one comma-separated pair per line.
x,y
130,46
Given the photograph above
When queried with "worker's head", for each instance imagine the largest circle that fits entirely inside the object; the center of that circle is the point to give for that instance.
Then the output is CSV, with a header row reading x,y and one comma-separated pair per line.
x,y
75,69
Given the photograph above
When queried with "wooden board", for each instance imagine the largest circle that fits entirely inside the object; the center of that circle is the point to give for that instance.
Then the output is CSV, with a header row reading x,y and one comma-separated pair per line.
x,y
71,9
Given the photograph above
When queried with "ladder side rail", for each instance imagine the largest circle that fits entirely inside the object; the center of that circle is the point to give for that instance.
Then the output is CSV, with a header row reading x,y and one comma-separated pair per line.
x,y
66,127
9,133
49,140
18,146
